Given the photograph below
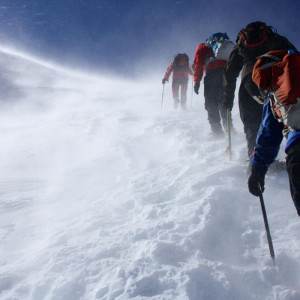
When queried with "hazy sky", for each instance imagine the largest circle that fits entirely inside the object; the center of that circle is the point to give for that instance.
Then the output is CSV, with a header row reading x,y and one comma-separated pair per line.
x,y
131,35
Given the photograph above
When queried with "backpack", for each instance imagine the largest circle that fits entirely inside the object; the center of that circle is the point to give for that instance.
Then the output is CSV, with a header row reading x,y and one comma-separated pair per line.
x,y
278,73
255,39
181,62
221,46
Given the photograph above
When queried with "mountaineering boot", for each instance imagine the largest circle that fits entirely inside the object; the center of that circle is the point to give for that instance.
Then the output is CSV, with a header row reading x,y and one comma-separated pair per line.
x,y
176,102
276,167
183,106
233,132
216,129
217,135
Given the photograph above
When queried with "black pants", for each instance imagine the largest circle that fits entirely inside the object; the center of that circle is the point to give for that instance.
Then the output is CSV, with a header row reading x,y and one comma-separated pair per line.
x,y
250,113
214,97
293,169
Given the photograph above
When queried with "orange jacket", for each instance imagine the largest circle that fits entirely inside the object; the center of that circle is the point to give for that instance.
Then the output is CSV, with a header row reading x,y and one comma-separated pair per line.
x,y
204,52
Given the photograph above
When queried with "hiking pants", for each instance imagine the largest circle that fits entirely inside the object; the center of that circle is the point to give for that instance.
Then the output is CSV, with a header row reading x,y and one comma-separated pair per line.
x,y
250,113
293,169
214,97
183,91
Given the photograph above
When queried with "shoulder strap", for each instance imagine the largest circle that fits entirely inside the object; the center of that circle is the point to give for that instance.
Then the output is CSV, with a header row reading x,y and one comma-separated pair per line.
x,y
270,64
272,56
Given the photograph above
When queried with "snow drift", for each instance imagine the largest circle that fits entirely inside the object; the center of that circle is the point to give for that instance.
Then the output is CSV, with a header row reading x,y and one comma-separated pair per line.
x,y
105,196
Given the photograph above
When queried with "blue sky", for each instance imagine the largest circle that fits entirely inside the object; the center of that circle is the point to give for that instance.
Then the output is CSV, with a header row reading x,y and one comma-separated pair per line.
x,y
129,36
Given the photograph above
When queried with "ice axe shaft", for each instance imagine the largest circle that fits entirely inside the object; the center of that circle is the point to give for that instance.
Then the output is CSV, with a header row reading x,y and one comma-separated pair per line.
x,y
266,224
192,92
162,97
228,150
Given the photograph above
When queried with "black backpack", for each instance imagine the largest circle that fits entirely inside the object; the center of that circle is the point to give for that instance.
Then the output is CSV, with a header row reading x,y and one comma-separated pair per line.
x,y
181,62
255,39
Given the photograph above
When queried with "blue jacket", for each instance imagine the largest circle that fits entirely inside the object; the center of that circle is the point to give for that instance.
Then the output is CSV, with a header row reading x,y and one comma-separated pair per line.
x,y
269,138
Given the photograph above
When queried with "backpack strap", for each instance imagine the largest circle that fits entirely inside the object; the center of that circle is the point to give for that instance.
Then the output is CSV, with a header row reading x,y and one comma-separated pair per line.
x,y
270,64
272,57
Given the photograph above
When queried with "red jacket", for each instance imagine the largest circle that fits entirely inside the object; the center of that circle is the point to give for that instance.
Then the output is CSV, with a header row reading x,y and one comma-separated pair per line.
x,y
204,52
177,74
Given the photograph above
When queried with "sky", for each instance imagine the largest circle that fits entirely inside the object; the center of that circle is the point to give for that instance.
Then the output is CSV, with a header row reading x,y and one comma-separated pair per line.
x,y
132,37
106,196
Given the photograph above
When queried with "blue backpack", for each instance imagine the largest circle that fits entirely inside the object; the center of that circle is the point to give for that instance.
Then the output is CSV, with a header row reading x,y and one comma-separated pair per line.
x,y
221,46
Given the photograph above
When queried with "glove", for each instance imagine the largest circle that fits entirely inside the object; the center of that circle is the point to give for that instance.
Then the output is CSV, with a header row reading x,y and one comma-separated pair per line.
x,y
196,88
164,80
257,177
228,103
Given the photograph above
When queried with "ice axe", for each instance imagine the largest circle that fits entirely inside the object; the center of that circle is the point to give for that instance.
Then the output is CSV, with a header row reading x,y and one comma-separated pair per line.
x,y
162,98
266,224
192,92
228,150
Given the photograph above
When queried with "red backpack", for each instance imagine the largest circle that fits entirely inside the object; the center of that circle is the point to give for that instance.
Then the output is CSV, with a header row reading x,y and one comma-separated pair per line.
x,y
278,73
181,62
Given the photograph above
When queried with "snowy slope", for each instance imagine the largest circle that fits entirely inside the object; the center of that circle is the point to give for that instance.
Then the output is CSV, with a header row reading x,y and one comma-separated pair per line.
x,y
105,196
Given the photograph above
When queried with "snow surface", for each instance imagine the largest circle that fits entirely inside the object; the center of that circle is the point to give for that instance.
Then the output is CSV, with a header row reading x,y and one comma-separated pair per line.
x,y
105,196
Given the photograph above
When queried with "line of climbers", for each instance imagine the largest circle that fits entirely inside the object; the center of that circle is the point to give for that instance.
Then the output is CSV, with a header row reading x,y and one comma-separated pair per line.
x,y
270,66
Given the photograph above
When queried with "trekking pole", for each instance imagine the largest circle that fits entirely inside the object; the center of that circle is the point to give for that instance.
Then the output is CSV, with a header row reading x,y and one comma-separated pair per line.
x,y
192,92
229,133
162,98
266,224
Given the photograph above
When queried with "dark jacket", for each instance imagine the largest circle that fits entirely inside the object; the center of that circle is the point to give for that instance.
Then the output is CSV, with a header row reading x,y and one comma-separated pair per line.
x,y
245,58
269,138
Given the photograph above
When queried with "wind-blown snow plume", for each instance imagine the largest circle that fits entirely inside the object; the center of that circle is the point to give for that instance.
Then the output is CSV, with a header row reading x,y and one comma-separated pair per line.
x,y
103,196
